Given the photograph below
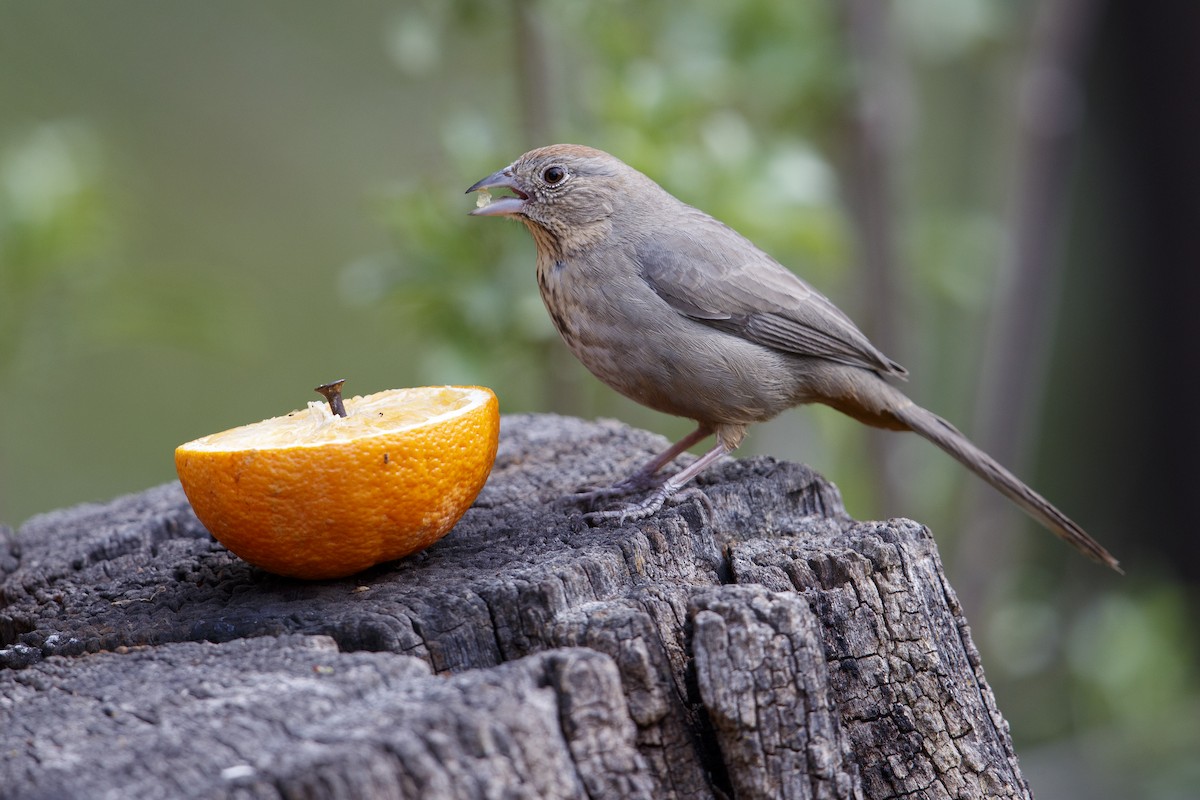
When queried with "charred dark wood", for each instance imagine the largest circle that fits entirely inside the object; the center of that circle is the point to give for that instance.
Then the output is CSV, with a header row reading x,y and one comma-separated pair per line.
x,y
752,641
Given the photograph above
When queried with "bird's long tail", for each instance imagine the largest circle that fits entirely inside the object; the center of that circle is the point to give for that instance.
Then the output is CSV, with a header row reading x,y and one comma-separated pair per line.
x,y
947,437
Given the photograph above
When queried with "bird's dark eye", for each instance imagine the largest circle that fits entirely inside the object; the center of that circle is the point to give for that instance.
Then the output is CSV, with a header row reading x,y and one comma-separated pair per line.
x,y
554,175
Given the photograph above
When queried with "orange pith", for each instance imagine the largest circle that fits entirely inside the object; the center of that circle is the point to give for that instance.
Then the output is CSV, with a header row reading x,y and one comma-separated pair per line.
x,y
313,495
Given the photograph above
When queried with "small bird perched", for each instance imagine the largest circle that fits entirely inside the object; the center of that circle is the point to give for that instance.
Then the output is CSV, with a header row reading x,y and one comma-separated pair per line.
x,y
681,313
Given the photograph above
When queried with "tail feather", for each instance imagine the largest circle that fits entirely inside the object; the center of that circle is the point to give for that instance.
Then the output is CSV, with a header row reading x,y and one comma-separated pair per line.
x,y
947,437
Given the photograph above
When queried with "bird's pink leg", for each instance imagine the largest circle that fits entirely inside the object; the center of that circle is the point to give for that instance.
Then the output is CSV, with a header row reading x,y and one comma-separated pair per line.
x,y
644,478
669,488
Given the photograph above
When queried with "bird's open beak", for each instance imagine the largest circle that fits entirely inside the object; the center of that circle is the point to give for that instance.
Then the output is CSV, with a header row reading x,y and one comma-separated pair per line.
x,y
501,206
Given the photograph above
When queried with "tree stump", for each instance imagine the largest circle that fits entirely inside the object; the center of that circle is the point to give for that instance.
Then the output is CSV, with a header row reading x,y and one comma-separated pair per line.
x,y
750,641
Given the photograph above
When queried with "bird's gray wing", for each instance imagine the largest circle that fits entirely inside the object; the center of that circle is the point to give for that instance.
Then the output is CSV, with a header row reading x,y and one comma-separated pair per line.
x,y
723,280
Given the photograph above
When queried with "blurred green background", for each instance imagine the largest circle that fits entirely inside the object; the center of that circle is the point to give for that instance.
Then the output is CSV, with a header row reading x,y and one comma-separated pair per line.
x,y
206,209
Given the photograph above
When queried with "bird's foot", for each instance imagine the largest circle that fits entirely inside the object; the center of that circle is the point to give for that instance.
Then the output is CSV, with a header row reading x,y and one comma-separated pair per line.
x,y
634,484
664,491
635,511
630,512
694,493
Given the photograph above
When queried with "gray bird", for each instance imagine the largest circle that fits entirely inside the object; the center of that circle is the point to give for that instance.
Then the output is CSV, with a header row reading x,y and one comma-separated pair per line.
x,y
680,313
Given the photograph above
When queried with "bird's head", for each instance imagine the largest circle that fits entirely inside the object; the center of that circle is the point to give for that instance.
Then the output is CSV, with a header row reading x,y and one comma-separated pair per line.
x,y
565,194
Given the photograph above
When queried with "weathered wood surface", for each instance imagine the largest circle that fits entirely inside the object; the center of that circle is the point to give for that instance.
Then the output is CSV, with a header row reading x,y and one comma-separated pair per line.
x,y
757,644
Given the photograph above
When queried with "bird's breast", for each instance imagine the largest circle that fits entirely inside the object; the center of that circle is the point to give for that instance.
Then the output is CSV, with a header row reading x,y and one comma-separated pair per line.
x,y
626,336
556,292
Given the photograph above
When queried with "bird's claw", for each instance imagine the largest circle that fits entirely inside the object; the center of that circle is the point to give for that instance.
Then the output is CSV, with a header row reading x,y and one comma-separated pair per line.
x,y
649,506
694,493
628,513
634,484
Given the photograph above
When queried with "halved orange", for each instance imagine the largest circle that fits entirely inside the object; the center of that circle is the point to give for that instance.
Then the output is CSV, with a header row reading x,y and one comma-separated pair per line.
x,y
315,495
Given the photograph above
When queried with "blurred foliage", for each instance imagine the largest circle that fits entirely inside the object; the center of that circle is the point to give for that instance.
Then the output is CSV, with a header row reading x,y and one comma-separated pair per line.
x,y
1101,689
207,209
52,237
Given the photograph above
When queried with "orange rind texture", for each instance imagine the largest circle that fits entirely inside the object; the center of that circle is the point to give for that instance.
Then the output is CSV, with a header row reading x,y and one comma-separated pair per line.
x,y
313,495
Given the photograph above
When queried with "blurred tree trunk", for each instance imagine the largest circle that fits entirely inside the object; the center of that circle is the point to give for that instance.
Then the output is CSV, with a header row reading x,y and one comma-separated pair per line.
x,y
1013,371
1125,382
876,120
538,123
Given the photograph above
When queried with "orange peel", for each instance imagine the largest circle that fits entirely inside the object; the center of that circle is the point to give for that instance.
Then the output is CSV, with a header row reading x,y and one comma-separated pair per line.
x,y
314,495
